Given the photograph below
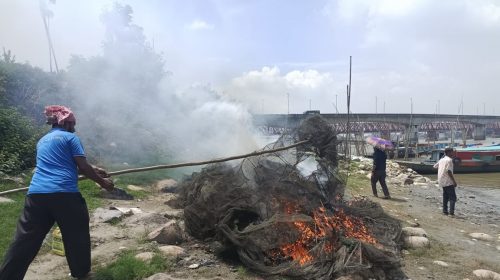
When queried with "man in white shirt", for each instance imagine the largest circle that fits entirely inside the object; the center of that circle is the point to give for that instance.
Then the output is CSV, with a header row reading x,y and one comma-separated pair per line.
x,y
447,181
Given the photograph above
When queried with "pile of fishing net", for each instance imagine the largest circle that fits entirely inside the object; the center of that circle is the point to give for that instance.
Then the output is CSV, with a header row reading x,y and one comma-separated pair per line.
x,y
284,213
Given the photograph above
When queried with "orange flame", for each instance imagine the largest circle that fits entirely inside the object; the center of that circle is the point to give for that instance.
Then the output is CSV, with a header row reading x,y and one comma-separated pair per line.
x,y
350,227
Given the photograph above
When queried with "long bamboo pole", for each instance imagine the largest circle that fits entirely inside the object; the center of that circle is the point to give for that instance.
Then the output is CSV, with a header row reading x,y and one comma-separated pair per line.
x,y
166,166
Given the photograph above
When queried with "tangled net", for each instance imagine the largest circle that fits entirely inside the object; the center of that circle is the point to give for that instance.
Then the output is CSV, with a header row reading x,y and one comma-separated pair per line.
x,y
284,213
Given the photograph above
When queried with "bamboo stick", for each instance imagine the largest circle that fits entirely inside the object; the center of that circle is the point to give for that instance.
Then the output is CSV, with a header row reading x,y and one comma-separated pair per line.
x,y
166,166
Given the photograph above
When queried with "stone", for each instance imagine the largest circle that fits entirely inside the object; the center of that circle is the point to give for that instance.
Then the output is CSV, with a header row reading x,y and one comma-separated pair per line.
x,y
170,233
481,236
413,223
419,180
5,200
350,277
174,214
102,215
134,188
416,241
159,276
171,250
408,181
440,263
194,266
117,194
167,185
486,274
127,211
414,231
145,256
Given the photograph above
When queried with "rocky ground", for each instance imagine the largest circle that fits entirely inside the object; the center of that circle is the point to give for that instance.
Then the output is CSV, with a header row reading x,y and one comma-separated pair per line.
x,y
457,248
458,245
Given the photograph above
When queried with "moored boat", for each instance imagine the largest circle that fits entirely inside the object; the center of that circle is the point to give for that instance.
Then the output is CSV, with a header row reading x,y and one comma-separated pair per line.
x,y
467,160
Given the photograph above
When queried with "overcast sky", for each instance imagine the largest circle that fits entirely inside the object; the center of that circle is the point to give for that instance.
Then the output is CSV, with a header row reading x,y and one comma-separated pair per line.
x,y
260,52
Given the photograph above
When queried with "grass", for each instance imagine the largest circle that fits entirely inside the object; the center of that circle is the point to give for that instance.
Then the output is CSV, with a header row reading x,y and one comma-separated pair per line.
x,y
150,177
127,267
242,271
9,212
357,181
91,192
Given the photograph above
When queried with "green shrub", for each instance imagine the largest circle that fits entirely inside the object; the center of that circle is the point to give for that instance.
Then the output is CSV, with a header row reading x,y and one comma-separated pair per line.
x,y
18,138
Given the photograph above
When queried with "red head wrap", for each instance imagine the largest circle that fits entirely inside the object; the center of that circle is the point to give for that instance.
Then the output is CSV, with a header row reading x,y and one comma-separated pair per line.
x,y
57,114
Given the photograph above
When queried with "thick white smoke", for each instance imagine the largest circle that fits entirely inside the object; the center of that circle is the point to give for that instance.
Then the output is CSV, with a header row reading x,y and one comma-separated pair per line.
x,y
129,110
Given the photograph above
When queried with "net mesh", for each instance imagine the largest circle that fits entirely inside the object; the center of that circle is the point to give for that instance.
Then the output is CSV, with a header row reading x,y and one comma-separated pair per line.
x,y
284,213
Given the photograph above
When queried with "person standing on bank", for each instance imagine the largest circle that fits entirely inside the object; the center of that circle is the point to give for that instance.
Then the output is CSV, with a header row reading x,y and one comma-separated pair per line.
x,y
378,172
447,181
53,197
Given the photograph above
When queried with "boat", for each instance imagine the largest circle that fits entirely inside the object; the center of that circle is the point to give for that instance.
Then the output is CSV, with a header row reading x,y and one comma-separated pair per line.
x,y
477,159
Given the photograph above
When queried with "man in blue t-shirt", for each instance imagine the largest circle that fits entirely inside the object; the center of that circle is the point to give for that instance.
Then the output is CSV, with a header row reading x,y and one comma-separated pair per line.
x,y
53,197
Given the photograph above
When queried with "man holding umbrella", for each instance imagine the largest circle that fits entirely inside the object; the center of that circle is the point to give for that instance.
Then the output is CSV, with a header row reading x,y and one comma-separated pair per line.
x,y
379,164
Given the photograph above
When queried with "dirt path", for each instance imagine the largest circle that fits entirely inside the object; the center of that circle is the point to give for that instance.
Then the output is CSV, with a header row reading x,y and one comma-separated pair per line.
x,y
106,238
477,211
130,233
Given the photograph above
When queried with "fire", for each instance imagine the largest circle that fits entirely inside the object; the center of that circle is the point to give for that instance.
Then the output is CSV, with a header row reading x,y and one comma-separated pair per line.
x,y
324,228
352,227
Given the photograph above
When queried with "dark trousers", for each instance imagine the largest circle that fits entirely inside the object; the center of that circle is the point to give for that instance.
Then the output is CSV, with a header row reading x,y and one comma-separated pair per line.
x,y
379,176
449,195
40,212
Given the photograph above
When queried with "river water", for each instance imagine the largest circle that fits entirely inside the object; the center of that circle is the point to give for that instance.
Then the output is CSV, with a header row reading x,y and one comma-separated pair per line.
x,y
488,180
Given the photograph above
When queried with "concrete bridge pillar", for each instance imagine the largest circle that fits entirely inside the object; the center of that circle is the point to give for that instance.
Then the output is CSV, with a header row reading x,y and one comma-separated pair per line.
x,y
470,134
479,132
414,134
432,135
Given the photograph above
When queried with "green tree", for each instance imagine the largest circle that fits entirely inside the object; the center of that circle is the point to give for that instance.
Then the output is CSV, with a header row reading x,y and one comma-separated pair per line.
x,y
113,93
18,137
24,91
26,88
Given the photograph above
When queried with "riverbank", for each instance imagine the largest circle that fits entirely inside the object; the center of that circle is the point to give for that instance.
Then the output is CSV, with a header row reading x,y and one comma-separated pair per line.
x,y
417,200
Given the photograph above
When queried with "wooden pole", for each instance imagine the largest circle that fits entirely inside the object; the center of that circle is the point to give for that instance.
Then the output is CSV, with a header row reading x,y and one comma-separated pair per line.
x,y
348,152
166,166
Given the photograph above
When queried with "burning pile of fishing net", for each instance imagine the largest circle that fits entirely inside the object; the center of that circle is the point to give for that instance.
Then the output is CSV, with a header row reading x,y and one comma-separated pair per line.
x,y
284,213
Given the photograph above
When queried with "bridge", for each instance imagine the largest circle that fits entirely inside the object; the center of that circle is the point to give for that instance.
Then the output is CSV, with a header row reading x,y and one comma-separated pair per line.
x,y
473,125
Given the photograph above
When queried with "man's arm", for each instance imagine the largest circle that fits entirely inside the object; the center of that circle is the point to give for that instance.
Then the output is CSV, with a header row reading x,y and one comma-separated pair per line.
x,y
452,178
449,170
86,169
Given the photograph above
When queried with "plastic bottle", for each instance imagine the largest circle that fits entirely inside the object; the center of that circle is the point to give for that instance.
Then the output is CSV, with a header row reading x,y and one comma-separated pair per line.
x,y
57,242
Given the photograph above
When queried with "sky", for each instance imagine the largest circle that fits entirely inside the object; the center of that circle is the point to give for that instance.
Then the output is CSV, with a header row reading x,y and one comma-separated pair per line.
x,y
280,56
